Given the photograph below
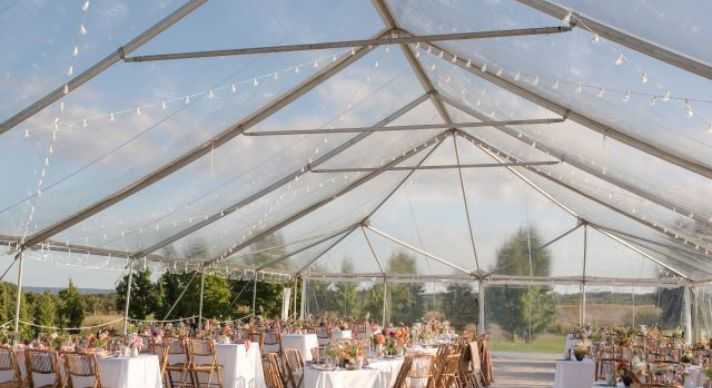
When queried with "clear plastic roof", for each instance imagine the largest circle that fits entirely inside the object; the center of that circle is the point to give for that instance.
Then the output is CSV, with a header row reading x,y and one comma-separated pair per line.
x,y
589,143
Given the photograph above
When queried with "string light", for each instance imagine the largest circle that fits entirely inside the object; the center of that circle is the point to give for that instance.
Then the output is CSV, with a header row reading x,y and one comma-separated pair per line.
x,y
620,60
644,77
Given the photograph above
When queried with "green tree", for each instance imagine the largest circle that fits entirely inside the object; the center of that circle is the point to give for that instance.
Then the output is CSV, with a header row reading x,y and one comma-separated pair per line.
x,y
44,309
670,301
516,309
406,301
145,296
460,305
71,308
347,300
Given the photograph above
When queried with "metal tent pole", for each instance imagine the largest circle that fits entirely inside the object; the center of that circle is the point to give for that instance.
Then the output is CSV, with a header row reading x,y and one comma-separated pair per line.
x,y
202,292
384,319
351,43
465,202
481,325
689,334
128,297
583,279
185,289
18,299
254,296
101,66
302,305
438,167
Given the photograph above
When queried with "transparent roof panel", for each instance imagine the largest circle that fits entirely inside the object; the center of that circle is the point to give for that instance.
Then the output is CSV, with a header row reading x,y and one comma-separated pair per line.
x,y
685,23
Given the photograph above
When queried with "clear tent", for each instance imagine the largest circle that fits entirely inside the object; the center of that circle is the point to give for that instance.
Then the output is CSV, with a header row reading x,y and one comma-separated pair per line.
x,y
572,119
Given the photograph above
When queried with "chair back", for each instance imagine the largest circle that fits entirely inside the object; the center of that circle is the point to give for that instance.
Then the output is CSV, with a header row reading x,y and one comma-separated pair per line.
x,y
82,365
273,377
42,362
475,360
8,363
176,351
403,372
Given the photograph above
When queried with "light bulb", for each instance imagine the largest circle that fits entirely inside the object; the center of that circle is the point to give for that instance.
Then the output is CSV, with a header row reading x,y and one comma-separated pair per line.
x,y
211,94
579,88
316,64
296,69
375,64
469,63
66,88
620,60
483,68
27,133
499,72
653,100
187,100
535,82
75,52
454,59
442,53
601,92
234,88
82,29
568,18
163,105
111,117
353,51
417,54
70,71
138,110
275,76
626,97
596,38
255,82
644,77
709,127
85,123
85,6
432,68
688,108
666,97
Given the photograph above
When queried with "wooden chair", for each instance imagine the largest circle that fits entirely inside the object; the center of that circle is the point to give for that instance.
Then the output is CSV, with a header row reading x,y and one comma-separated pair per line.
x,y
177,363
42,362
273,378
403,373
472,370
82,366
161,350
421,369
8,364
204,367
450,376
294,363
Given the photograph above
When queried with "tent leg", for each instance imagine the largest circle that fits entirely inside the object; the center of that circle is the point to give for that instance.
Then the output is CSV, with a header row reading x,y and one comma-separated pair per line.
x,y
254,296
384,319
582,319
688,303
202,292
304,299
18,301
481,325
128,298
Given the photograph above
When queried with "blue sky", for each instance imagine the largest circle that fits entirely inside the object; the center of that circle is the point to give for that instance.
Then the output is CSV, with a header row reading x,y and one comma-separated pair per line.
x,y
89,161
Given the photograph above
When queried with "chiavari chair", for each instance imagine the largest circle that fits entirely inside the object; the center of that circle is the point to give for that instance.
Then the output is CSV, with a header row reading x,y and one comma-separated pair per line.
x,y
421,370
177,363
44,363
204,367
8,364
82,367
294,363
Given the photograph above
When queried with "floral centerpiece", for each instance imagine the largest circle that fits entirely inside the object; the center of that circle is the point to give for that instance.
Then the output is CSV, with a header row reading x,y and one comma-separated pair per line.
x,y
348,354
135,344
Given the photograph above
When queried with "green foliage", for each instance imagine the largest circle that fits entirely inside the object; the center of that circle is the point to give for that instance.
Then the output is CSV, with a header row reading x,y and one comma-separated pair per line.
x,y
460,305
71,308
406,301
145,296
522,312
346,294
44,309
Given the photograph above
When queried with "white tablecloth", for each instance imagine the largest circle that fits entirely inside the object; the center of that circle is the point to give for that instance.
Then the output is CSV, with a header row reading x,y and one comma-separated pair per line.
x,y
116,372
302,342
574,374
569,344
362,378
242,368
388,371
342,334
695,376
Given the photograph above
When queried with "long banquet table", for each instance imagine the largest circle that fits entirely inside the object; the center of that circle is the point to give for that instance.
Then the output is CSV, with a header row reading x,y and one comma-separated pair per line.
x,y
378,374
302,342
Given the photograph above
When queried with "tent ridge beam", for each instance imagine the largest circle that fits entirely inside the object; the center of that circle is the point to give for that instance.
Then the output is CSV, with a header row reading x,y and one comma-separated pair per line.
x,y
632,42
279,183
100,66
580,118
397,128
196,153
390,22
350,43
325,251
439,167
